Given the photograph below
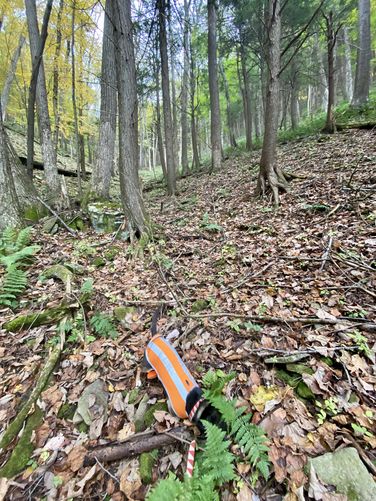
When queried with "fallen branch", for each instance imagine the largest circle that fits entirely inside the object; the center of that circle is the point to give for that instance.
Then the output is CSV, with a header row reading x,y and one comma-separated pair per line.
x,y
363,322
326,254
135,445
44,375
54,213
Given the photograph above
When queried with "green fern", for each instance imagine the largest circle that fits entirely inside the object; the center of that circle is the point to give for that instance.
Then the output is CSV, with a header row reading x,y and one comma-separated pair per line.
x,y
216,459
250,437
13,240
20,257
103,326
13,284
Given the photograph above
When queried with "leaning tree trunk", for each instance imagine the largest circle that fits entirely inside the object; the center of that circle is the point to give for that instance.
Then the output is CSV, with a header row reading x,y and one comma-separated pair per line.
x,y
128,119
331,41
169,135
10,76
362,76
158,123
55,191
184,92
215,114
270,175
103,165
10,211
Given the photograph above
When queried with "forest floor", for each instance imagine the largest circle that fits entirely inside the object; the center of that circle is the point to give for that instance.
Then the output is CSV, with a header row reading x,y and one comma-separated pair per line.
x,y
234,276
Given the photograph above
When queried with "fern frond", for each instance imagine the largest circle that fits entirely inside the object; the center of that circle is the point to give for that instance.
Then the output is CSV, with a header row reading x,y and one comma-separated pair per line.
x,y
19,256
217,380
23,238
103,326
253,443
14,283
168,489
217,460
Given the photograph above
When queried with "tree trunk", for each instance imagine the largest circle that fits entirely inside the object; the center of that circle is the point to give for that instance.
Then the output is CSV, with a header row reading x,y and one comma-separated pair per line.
x,y
215,114
294,104
57,196
184,92
128,119
363,62
246,99
230,118
173,92
169,136
270,174
195,152
55,87
10,211
321,101
74,101
104,163
347,81
159,125
10,76
331,41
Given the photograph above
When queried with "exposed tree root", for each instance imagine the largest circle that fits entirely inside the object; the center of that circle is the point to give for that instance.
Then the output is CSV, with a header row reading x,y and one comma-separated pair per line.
x,y
16,425
273,179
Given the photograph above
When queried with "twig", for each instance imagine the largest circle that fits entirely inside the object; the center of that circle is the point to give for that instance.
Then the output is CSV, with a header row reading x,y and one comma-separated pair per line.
x,y
308,351
106,471
54,213
246,278
326,254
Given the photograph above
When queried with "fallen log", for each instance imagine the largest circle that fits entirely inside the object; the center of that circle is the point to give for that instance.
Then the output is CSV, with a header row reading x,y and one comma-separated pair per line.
x,y
135,445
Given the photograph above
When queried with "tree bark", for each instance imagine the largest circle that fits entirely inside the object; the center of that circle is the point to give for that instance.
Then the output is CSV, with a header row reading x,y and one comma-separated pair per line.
x,y
55,87
294,103
215,114
104,163
184,92
246,99
10,211
159,124
169,136
230,118
195,152
173,91
331,41
128,119
363,62
270,174
49,154
10,76
74,100
347,80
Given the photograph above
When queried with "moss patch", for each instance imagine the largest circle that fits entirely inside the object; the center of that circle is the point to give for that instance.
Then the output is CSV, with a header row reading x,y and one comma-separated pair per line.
x,y
147,462
49,316
24,448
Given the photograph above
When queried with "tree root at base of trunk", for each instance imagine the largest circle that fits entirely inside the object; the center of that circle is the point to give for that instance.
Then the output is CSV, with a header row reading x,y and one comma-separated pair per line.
x,y
271,178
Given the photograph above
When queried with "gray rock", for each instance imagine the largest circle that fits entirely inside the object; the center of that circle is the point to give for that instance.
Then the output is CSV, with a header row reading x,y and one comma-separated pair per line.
x,y
345,471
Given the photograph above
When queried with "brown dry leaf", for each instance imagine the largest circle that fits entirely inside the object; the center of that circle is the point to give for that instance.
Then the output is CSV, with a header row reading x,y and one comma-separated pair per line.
x,y
54,397
127,431
76,457
130,480
245,494
263,395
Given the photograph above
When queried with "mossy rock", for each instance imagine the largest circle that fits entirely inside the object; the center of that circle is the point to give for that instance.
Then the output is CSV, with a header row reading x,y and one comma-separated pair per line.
x,y
49,316
120,312
58,271
105,217
345,470
50,225
67,411
199,305
147,462
22,451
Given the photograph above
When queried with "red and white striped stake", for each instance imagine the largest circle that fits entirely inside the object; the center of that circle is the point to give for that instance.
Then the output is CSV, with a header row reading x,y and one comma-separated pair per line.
x,y
191,458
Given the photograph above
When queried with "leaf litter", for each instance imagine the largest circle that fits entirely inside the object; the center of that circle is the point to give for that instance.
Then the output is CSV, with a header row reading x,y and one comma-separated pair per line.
x,y
233,276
